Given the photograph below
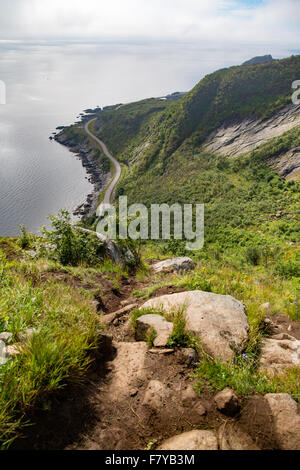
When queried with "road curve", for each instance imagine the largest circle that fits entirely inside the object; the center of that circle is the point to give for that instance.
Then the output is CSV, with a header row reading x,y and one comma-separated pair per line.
x,y
107,199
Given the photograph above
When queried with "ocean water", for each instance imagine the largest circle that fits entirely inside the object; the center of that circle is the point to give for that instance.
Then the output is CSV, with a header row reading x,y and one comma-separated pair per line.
x,y
49,84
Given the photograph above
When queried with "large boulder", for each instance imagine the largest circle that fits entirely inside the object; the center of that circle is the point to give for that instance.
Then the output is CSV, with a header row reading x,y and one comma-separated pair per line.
x,y
181,264
277,355
286,420
162,327
192,440
218,320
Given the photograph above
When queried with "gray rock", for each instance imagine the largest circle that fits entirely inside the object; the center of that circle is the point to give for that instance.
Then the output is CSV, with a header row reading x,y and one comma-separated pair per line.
x,y
181,264
227,402
277,355
162,327
192,440
2,348
233,139
286,419
128,369
3,356
5,336
218,320
13,350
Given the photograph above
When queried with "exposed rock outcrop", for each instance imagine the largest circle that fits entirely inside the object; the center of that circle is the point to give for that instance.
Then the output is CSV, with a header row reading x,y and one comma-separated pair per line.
x,y
233,139
5,336
94,168
262,59
218,320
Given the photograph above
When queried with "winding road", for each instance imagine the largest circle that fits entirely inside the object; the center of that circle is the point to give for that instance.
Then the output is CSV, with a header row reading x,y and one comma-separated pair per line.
x,y
107,199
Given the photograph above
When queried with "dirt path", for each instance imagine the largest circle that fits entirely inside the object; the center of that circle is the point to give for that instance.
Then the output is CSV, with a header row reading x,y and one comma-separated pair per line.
x,y
107,199
111,411
133,398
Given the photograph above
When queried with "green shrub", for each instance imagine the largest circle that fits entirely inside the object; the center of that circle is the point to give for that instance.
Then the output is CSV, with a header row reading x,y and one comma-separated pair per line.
x,y
71,246
25,240
288,269
180,337
253,255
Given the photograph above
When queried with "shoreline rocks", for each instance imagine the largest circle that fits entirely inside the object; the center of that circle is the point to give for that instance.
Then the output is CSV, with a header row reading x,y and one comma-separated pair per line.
x,y
96,176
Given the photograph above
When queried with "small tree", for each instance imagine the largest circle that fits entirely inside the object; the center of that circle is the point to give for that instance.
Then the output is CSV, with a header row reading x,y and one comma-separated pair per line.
x,y
72,246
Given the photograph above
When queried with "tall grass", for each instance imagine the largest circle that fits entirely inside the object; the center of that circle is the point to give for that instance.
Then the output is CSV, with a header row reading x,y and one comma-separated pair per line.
x,y
57,353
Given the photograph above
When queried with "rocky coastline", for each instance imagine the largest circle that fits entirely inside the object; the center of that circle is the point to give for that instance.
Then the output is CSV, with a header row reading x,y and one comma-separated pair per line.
x,y
85,151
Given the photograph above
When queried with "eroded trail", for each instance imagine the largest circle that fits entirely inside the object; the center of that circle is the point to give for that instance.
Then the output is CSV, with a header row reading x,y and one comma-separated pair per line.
x,y
136,397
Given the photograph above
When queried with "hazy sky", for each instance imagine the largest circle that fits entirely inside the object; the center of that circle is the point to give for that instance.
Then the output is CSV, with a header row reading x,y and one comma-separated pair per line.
x,y
274,23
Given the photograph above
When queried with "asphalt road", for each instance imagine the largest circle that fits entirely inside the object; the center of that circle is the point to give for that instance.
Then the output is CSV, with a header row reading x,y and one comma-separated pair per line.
x,y
107,199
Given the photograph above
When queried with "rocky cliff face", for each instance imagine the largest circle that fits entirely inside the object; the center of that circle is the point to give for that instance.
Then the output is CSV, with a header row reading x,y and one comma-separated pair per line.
x,y
237,138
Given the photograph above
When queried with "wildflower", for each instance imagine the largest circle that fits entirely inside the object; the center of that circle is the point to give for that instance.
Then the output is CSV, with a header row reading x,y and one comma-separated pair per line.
x,y
245,356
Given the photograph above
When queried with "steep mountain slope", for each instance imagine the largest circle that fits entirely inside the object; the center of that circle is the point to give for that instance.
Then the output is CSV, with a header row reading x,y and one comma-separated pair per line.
x,y
229,94
182,153
221,144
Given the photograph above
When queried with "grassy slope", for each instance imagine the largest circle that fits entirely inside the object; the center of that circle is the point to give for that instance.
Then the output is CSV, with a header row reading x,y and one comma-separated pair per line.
x,y
243,196
252,215
53,299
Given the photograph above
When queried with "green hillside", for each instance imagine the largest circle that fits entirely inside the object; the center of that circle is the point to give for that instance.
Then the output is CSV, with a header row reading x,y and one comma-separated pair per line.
x,y
54,289
233,93
242,196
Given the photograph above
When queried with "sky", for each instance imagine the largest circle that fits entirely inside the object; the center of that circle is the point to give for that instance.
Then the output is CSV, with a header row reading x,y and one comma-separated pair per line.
x,y
273,24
